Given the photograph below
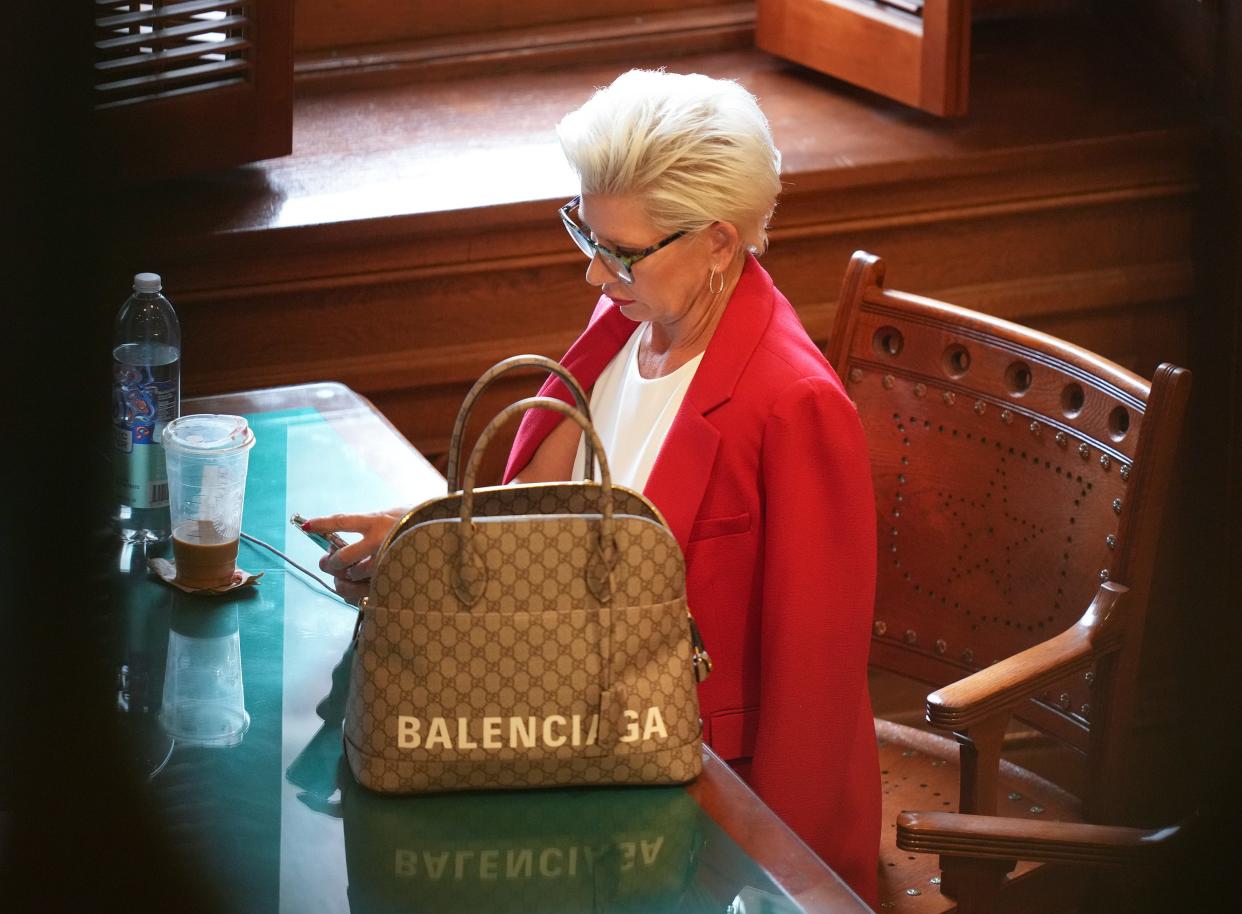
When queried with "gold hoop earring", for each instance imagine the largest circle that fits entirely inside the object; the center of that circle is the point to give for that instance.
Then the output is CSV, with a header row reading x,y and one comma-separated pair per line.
x,y
711,282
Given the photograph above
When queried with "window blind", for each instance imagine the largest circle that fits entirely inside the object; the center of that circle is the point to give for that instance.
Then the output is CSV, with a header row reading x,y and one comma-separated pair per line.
x,y
913,7
167,48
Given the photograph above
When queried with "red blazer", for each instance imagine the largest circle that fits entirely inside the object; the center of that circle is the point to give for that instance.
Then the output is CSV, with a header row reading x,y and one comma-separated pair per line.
x,y
765,482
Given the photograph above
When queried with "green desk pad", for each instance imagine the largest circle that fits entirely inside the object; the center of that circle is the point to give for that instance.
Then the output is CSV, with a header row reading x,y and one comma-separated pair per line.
x,y
275,823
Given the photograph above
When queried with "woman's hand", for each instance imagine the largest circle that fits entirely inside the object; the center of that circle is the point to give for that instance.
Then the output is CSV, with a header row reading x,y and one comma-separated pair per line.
x,y
351,566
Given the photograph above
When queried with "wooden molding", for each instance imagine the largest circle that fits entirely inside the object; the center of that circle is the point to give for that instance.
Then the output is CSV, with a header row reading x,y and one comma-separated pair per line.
x,y
655,35
1030,298
1151,171
326,24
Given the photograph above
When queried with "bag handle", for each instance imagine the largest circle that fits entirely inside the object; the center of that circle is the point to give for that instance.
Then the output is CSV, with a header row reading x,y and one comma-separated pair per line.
x,y
453,469
470,572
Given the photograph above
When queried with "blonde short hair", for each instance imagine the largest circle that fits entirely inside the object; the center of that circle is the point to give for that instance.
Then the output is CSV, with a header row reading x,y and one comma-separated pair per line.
x,y
692,149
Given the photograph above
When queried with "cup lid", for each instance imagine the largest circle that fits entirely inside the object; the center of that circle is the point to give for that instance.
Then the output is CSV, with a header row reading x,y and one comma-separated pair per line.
x,y
208,435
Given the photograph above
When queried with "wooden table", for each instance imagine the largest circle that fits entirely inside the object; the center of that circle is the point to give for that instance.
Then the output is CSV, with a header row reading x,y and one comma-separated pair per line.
x,y
271,816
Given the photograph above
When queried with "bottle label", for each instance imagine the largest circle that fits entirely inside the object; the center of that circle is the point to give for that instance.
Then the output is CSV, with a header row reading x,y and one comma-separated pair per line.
x,y
142,405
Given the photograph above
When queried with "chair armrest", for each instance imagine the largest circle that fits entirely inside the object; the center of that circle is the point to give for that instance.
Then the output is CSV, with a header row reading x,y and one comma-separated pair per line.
x,y
998,837
1005,685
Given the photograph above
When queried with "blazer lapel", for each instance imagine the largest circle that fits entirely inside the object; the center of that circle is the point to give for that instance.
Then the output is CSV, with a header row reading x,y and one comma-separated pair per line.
x,y
585,360
679,477
590,354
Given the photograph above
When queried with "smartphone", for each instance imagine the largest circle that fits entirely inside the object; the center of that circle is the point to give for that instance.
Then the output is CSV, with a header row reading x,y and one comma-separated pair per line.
x,y
328,542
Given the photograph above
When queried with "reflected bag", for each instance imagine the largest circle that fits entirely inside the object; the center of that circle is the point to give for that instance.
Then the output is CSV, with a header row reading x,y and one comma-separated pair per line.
x,y
632,850
526,636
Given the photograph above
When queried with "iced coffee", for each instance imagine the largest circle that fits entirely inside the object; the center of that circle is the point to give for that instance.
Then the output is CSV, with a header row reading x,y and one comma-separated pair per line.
x,y
207,457
204,556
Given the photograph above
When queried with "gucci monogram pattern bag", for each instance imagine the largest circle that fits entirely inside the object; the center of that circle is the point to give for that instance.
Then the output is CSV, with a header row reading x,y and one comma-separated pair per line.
x,y
526,636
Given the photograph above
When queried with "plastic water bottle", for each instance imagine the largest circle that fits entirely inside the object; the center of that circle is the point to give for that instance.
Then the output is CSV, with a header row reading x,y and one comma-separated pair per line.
x,y
146,396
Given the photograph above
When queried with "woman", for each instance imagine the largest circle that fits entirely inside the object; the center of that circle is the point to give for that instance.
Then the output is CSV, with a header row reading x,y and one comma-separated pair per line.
x,y
710,398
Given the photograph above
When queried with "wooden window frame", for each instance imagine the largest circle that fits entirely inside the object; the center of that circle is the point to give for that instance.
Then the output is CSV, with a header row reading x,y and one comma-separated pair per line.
x,y
922,62
246,121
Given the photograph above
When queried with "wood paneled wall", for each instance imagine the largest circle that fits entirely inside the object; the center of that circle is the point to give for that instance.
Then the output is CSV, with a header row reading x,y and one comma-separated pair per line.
x,y
1066,200
1094,246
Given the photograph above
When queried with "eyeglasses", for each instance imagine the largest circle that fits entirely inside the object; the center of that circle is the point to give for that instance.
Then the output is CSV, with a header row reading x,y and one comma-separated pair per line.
x,y
619,263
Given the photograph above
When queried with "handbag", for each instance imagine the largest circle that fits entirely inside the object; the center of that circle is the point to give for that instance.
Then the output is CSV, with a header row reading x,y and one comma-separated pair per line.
x,y
526,636
621,849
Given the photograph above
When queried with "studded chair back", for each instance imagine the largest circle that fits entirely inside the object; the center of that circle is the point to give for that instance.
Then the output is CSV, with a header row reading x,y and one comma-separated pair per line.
x,y
1017,478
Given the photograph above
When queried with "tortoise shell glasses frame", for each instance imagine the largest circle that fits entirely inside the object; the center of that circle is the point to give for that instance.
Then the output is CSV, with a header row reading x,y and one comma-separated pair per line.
x,y
619,263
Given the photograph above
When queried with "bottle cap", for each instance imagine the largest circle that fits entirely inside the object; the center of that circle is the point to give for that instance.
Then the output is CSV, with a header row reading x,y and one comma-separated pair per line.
x,y
147,282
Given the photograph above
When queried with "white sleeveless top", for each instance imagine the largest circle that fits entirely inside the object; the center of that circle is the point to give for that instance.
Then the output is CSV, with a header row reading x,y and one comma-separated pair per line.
x,y
632,414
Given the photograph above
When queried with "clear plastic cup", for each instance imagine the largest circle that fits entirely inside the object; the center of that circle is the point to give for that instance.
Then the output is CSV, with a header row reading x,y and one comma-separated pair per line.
x,y
206,456
204,701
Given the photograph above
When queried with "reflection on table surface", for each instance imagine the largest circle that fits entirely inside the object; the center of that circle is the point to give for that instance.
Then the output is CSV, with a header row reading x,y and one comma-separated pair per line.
x,y
233,709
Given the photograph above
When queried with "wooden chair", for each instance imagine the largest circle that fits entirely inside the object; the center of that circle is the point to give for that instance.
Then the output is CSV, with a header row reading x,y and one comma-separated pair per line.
x,y
1020,483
